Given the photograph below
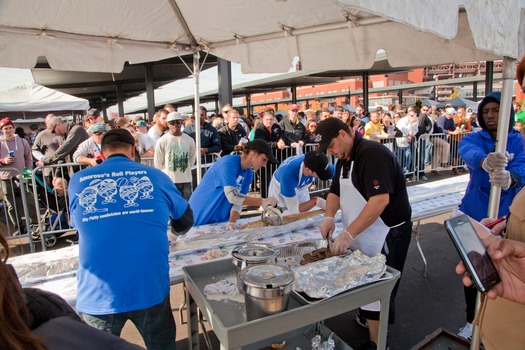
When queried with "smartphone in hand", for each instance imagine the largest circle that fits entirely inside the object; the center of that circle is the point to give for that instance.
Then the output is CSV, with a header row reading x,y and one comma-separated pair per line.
x,y
473,253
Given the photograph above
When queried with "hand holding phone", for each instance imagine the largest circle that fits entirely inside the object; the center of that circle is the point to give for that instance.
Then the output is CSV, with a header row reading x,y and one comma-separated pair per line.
x,y
473,253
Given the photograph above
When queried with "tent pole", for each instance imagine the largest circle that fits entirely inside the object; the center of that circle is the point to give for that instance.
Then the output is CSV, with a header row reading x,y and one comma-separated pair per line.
x,y
509,72
196,72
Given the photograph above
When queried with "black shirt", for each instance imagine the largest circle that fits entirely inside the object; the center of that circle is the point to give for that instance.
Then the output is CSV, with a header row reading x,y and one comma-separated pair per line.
x,y
230,138
376,171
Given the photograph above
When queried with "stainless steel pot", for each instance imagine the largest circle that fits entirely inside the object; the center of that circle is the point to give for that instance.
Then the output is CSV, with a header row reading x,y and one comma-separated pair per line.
x,y
267,289
252,254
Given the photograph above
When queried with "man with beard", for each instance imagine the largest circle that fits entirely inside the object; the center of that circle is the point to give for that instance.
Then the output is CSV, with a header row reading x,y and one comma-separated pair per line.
x,y
369,188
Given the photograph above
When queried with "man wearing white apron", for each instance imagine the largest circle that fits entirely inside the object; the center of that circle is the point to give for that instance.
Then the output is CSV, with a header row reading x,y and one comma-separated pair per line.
x,y
369,188
295,175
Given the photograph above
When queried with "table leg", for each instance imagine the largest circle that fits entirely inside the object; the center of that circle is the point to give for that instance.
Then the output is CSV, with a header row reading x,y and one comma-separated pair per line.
x,y
183,304
192,314
420,249
383,323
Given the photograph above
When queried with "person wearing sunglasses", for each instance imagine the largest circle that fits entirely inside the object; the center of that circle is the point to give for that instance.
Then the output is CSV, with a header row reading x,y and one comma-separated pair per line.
x,y
88,152
175,155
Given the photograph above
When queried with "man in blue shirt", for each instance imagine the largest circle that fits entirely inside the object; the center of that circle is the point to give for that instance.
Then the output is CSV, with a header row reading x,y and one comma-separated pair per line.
x,y
121,210
294,176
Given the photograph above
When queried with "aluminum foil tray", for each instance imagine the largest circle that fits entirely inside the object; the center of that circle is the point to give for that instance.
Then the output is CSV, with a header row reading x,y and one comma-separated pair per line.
x,y
323,279
291,254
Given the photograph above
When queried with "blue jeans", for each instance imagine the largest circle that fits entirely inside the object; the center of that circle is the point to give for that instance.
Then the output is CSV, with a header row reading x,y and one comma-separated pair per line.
x,y
156,324
404,158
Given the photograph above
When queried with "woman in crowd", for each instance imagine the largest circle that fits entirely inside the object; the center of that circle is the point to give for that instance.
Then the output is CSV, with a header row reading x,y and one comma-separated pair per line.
x,y
355,124
256,122
220,195
310,128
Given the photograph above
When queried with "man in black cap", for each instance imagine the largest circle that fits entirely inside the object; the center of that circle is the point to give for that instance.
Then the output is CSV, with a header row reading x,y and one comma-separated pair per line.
x,y
121,209
369,188
291,181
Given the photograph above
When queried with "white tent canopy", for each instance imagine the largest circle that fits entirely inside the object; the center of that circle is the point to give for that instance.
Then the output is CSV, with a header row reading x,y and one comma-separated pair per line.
x,y
37,98
264,36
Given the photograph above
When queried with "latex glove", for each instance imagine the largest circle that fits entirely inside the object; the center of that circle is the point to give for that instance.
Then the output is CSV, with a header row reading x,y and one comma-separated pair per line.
x,y
501,178
231,226
321,202
341,243
269,202
327,227
494,161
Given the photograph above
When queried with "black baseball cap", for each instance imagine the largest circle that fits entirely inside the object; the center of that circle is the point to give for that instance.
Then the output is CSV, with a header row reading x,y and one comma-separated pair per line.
x,y
262,146
318,162
327,130
117,135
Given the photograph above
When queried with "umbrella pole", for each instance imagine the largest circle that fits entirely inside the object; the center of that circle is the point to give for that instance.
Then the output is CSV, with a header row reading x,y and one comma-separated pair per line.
x,y
196,73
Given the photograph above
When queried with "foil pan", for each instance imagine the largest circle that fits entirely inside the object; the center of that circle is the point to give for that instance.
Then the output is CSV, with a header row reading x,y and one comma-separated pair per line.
x,y
291,254
326,278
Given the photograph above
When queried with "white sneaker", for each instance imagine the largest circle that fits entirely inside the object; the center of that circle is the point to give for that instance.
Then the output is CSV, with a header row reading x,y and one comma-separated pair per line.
x,y
466,332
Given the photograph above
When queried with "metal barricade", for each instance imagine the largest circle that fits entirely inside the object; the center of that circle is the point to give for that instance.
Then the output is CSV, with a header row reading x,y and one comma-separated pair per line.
x,y
404,149
16,207
51,196
441,152
147,161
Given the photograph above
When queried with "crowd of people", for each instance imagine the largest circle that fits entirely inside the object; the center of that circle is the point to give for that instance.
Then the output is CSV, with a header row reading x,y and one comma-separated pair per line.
x,y
115,198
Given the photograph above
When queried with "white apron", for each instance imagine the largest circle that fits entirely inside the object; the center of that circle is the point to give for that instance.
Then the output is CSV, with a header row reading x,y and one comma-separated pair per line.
x,y
372,239
302,193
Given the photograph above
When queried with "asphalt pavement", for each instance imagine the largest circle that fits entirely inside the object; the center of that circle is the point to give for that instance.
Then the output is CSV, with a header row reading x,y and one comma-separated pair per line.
x,y
424,305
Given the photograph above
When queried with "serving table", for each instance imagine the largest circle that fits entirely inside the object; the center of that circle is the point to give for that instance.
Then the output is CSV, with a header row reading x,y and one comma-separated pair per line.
x,y
228,318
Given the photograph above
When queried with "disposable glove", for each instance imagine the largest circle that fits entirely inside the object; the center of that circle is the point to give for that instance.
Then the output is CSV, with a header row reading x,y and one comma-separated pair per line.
x,y
231,226
321,202
494,161
269,202
327,227
341,243
501,178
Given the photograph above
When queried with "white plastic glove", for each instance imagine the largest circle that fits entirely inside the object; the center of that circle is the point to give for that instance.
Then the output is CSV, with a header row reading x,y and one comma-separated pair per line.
x,y
232,226
501,178
341,243
327,227
494,161
269,202
321,202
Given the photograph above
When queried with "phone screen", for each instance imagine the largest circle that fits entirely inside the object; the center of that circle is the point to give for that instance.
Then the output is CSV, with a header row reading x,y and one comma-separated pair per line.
x,y
473,252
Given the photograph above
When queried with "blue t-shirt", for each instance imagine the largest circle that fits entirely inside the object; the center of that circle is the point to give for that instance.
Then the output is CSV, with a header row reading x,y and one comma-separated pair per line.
x,y
208,201
121,210
290,176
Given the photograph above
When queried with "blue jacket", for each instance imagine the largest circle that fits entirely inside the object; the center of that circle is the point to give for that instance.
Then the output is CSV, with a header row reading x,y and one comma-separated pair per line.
x,y
472,149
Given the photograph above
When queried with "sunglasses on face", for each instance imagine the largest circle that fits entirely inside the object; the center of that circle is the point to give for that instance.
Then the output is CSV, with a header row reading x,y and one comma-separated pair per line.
x,y
424,109
98,133
313,126
175,122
